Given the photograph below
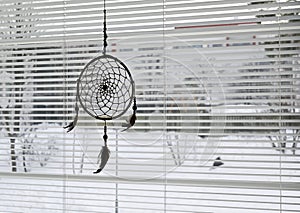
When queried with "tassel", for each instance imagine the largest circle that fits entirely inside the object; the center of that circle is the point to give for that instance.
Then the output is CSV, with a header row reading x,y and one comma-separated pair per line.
x,y
103,157
71,125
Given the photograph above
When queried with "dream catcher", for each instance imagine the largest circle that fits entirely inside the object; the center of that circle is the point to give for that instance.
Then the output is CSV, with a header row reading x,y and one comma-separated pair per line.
x,y
105,90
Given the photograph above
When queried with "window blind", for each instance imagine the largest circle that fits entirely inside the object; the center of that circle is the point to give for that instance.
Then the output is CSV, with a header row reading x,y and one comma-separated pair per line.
x,y
217,88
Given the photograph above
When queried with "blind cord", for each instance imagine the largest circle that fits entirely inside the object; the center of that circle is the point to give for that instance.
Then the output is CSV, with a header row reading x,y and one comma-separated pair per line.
x,y
65,102
281,137
165,107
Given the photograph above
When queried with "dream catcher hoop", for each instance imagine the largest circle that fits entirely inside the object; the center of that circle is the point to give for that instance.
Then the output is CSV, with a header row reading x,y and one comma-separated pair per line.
x,y
105,90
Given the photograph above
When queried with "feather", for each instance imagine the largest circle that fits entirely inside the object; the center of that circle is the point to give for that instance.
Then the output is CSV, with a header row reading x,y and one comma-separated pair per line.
x,y
130,122
103,157
71,125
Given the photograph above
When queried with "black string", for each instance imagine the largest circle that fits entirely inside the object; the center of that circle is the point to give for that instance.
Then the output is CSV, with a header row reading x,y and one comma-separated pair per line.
x,y
104,29
134,107
105,137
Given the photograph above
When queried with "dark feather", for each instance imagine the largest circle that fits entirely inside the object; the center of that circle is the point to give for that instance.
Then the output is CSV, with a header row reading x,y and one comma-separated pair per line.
x,y
130,122
70,126
98,170
103,157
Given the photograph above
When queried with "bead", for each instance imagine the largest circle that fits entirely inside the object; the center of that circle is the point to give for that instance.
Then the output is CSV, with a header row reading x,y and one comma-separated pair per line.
x,y
105,137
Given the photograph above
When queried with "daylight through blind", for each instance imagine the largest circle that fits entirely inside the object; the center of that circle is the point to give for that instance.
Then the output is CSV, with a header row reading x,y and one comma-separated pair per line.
x,y
217,91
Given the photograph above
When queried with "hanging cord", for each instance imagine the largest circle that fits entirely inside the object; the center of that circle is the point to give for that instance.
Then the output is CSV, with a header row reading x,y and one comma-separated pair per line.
x,y
134,108
104,29
117,173
105,137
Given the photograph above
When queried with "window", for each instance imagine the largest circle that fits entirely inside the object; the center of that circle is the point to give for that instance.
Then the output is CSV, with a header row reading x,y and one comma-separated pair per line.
x,y
217,88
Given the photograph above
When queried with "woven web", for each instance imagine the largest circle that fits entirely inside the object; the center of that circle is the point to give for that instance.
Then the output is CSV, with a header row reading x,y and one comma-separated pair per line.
x,y
105,88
